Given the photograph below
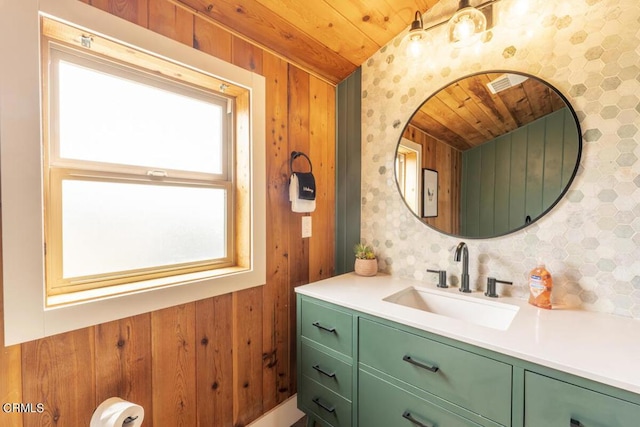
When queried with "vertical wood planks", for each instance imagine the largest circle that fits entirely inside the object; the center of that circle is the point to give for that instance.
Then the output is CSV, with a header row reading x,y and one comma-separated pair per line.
x,y
135,11
535,168
10,366
174,366
486,208
123,362
276,314
246,55
58,371
503,174
298,90
445,159
247,355
222,361
323,153
517,183
171,21
448,184
211,39
214,375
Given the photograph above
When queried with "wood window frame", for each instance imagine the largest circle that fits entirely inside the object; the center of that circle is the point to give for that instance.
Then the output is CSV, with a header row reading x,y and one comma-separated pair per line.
x,y
21,128
58,45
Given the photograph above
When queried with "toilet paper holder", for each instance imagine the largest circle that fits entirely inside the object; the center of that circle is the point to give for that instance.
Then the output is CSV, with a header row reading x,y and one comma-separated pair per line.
x,y
117,412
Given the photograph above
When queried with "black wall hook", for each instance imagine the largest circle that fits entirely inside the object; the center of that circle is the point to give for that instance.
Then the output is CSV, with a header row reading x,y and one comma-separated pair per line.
x,y
295,155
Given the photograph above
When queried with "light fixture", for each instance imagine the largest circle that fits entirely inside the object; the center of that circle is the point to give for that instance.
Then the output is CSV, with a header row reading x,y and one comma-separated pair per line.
x,y
464,27
416,36
466,24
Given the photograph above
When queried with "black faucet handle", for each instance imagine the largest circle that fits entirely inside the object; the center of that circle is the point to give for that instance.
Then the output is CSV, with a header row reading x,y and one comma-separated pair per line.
x,y
491,286
442,277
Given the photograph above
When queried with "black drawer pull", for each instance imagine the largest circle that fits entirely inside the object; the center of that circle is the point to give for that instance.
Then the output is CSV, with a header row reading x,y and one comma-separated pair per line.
x,y
331,409
323,372
407,415
575,423
324,328
420,365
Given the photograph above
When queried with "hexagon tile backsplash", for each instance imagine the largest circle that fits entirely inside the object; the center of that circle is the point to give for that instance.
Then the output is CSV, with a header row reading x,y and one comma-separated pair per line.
x,y
590,51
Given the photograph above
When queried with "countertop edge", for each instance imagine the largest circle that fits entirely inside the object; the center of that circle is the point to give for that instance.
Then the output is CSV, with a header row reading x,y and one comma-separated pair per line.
x,y
548,347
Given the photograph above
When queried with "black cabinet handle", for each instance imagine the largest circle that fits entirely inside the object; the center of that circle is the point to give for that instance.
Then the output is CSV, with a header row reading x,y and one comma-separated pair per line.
x,y
331,409
407,415
575,423
420,365
323,372
324,328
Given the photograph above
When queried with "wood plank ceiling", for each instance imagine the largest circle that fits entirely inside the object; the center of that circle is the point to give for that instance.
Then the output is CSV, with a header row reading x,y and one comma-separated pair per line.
x,y
331,38
328,38
466,114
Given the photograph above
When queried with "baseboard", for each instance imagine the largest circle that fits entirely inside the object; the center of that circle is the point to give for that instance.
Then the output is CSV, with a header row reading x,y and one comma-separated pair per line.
x,y
283,415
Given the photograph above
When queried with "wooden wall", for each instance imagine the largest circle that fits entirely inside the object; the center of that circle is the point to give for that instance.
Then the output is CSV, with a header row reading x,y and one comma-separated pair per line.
x,y
222,361
447,161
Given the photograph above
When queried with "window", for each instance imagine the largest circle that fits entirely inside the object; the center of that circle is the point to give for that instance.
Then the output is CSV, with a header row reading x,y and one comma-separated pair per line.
x,y
409,173
138,182
38,160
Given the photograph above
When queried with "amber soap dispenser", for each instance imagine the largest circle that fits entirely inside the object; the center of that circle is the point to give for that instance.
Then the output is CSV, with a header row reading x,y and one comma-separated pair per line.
x,y
540,284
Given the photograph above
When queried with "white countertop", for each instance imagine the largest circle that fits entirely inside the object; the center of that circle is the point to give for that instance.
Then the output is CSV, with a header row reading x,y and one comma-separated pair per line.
x,y
597,346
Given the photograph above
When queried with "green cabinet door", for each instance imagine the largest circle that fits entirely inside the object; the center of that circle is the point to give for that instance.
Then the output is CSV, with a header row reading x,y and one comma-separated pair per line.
x,y
384,405
327,326
323,404
324,369
477,383
554,403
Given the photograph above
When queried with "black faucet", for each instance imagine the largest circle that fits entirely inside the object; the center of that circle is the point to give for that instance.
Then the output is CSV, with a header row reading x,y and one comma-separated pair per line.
x,y
462,251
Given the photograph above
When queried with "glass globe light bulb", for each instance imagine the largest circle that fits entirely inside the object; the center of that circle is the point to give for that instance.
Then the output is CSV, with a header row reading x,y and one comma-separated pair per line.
x,y
465,24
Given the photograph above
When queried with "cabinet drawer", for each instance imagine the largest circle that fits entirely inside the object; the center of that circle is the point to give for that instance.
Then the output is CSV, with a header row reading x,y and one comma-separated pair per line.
x,y
474,382
550,403
327,326
323,403
384,405
326,370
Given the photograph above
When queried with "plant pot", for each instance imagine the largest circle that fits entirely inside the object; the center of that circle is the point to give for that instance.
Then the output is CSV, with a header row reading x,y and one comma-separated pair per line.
x,y
366,267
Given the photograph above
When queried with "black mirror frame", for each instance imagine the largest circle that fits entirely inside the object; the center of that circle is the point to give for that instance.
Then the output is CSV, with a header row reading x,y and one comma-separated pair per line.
x,y
552,205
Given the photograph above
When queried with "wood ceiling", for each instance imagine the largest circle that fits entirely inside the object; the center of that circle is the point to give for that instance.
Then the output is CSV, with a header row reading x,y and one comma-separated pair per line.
x,y
329,38
332,38
466,114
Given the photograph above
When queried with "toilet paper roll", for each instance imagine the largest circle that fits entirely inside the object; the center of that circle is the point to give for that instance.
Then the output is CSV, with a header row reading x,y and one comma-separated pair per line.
x,y
116,412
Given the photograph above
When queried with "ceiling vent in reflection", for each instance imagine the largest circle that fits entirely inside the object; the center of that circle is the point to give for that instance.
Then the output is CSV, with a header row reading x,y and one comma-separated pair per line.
x,y
505,81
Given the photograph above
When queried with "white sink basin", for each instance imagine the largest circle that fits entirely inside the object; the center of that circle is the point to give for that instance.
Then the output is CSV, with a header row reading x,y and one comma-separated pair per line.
x,y
481,312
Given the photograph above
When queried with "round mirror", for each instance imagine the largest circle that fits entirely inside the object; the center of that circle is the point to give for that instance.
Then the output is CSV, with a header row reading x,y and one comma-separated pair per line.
x,y
488,154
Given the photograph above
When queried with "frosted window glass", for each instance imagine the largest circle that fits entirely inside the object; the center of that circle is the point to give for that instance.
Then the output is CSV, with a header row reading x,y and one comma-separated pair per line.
x,y
109,227
110,119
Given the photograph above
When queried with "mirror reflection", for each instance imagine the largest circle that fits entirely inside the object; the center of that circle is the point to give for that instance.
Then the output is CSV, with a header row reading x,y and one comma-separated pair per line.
x,y
488,154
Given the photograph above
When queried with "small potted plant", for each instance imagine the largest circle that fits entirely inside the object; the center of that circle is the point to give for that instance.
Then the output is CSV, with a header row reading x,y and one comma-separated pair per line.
x,y
366,262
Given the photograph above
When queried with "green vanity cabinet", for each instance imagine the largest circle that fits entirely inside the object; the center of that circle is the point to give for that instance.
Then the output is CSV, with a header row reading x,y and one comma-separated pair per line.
x,y
473,382
327,326
359,370
325,363
383,404
553,403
